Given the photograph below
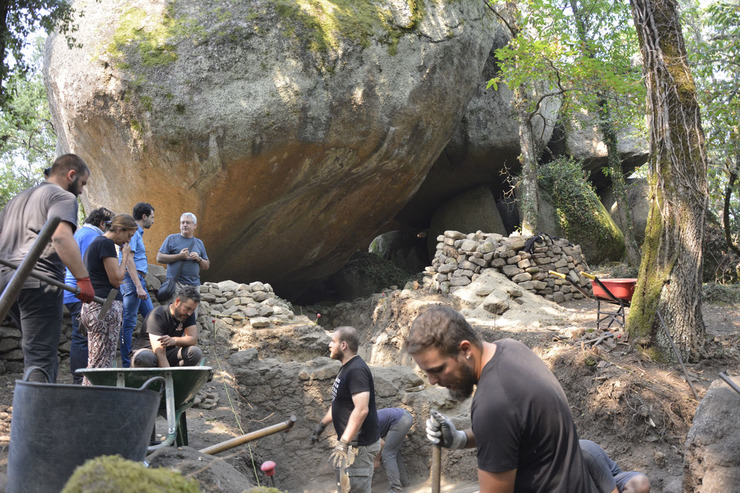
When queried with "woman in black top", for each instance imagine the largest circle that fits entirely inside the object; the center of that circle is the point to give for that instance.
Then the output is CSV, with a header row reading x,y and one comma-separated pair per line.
x,y
106,273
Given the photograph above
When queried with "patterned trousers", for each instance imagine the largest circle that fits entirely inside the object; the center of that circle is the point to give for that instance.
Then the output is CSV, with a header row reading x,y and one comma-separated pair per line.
x,y
102,335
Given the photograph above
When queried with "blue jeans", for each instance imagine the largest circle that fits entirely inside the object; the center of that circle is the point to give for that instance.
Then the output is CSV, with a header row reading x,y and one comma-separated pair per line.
x,y
78,346
38,314
132,306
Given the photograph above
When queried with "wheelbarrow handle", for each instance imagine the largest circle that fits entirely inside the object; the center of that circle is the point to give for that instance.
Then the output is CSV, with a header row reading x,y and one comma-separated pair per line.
x,y
556,274
590,276
159,379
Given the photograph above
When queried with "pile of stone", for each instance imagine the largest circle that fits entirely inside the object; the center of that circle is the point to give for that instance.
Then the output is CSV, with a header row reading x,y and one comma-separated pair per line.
x,y
460,258
238,304
234,304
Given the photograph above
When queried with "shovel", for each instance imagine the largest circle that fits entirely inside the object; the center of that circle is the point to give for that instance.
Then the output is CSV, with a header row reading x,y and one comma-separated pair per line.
x,y
105,303
436,469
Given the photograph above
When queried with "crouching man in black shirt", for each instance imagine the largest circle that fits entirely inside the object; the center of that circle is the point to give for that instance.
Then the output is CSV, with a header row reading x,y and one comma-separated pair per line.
x,y
169,334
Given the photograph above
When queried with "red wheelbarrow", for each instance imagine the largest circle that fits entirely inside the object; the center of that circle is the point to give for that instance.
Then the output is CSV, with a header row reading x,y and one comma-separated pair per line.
x,y
612,291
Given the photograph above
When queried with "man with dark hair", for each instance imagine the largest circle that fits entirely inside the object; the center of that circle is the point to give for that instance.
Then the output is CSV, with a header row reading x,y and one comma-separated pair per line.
x,y
521,423
95,225
38,309
607,474
354,415
135,296
169,334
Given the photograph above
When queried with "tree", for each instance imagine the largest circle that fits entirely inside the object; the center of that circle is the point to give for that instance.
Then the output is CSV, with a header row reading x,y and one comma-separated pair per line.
x,y
584,13
27,138
580,51
715,60
671,270
18,19
524,64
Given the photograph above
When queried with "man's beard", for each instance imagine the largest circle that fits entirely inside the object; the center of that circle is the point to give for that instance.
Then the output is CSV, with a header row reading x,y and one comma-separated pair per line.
x,y
74,187
465,385
338,355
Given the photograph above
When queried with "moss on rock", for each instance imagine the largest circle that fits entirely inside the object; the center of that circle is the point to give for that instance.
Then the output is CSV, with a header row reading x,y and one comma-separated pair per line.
x,y
581,216
114,474
324,22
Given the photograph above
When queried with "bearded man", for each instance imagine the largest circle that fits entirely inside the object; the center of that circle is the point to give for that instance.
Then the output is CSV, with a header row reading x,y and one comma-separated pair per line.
x,y
38,309
354,415
169,334
521,423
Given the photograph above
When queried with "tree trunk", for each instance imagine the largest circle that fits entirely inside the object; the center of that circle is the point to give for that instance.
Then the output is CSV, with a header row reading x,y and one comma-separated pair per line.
x,y
528,158
624,214
731,179
671,269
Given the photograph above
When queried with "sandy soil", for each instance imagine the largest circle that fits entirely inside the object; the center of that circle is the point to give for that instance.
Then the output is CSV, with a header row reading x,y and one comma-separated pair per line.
x,y
637,409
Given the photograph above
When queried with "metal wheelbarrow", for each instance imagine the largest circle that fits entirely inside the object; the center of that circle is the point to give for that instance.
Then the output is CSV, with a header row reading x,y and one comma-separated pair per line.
x,y
181,386
609,291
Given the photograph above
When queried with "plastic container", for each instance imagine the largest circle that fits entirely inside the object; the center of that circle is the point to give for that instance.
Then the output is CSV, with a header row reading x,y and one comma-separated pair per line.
x,y
57,427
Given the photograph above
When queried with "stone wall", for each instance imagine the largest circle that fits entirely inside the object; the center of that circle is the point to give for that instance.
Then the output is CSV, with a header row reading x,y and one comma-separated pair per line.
x,y
232,303
460,258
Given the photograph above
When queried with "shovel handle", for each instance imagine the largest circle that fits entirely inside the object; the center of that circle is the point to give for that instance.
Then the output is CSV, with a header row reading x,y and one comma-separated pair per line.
x,y
590,276
556,274
436,469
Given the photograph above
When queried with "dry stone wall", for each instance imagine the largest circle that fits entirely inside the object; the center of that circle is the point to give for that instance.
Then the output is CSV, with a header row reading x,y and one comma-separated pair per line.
x,y
233,304
460,258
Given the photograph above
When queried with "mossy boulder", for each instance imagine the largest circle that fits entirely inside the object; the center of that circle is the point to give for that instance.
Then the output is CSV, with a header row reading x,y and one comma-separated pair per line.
x,y
295,130
578,213
114,474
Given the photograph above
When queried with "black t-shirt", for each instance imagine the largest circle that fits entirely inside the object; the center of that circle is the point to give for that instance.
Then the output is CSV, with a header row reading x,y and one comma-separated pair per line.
x,y
100,248
160,322
354,377
521,420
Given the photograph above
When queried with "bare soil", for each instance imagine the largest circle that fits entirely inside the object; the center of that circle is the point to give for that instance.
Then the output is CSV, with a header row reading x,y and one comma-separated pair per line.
x,y
638,410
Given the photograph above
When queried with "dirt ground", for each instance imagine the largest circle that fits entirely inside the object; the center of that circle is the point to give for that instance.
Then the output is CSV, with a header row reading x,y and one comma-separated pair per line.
x,y
638,410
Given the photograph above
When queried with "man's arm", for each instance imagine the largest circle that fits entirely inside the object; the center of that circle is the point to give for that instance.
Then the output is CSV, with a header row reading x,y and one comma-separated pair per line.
x,y
361,400
203,262
159,350
168,258
327,418
188,338
69,252
134,275
496,482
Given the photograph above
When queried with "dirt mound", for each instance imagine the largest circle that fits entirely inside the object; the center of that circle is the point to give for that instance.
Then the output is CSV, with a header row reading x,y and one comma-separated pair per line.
x,y
639,410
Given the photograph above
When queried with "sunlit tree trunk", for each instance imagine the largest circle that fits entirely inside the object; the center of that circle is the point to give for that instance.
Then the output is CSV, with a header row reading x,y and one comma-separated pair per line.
x,y
671,269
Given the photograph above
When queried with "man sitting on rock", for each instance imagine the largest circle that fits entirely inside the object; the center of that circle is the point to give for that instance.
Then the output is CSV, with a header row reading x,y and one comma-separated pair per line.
x,y
169,334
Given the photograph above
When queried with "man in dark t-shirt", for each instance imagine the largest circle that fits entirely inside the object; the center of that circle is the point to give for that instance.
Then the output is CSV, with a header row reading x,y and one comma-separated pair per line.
x,y
169,334
522,428
354,415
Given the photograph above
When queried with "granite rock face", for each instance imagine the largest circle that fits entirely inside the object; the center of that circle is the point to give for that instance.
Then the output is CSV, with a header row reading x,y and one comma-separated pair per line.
x,y
280,125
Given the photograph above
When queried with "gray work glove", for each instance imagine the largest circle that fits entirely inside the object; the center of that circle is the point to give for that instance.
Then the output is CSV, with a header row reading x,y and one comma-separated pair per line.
x,y
441,431
317,431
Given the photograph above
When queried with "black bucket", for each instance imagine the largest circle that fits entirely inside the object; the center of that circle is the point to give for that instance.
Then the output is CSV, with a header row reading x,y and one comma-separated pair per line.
x,y
56,428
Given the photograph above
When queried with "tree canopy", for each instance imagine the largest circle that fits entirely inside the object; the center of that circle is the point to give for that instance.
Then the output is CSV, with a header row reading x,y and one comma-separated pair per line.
x,y
18,20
